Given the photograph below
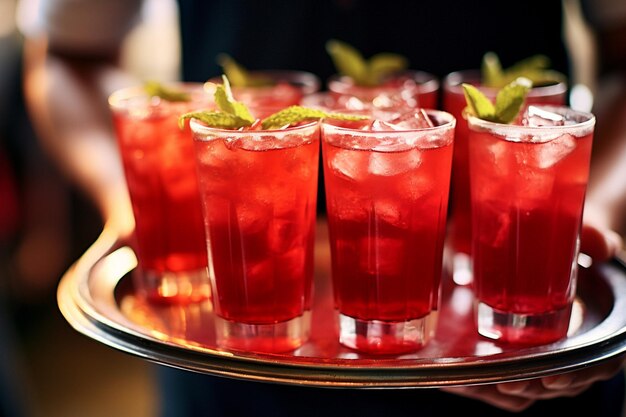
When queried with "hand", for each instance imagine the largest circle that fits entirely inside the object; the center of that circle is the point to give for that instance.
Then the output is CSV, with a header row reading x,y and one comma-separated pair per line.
x,y
597,239
519,395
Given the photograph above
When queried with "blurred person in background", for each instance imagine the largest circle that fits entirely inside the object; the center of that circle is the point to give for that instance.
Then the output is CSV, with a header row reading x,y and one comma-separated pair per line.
x,y
73,64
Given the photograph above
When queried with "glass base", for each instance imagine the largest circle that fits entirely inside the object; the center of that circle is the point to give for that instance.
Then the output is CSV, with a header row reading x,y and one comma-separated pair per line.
x,y
523,329
273,338
174,287
374,336
462,269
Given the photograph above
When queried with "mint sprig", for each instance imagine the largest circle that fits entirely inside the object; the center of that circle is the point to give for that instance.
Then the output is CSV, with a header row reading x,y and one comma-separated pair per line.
x,y
351,63
232,114
239,76
297,114
156,89
534,68
509,101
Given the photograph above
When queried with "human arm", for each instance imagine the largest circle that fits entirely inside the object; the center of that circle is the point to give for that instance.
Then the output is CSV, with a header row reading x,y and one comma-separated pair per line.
x,y
70,69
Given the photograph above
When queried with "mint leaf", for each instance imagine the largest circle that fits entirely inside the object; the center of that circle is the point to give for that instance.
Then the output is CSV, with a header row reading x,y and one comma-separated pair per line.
x,y
478,104
214,119
510,99
535,68
226,103
491,68
382,64
296,114
238,75
156,89
348,60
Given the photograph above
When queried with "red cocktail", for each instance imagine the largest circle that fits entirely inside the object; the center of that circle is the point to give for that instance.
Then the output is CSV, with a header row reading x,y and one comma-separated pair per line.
x,y
460,233
259,191
387,197
405,89
160,172
527,193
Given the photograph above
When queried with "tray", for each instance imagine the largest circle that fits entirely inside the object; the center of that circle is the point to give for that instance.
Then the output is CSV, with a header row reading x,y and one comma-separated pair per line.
x,y
96,297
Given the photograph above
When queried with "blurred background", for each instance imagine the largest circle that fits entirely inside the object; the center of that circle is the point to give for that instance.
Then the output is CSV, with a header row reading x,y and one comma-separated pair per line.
x,y
46,224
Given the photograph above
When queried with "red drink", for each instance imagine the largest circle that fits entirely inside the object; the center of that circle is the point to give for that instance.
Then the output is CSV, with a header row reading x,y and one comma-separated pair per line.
x,y
387,196
288,88
160,173
259,193
454,102
527,192
406,89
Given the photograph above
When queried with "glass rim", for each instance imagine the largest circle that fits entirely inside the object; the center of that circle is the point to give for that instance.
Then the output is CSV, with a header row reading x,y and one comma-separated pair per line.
x,y
577,129
426,82
450,123
452,83
200,129
118,99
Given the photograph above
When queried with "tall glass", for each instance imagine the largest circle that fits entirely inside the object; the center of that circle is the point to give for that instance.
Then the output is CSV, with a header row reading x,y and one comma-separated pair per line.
x,y
387,197
407,88
287,88
258,191
460,233
158,160
527,193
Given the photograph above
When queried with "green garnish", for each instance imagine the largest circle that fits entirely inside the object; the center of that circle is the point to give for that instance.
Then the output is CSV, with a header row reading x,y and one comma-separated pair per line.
x,y
350,62
235,115
509,101
156,89
296,114
534,68
238,75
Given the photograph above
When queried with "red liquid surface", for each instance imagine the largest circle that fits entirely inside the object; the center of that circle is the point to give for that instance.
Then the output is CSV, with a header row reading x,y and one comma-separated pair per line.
x,y
160,171
260,210
386,215
527,206
460,211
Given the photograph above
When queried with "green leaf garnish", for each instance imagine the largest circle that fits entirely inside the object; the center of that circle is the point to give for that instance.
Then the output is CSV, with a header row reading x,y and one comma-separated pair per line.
x,y
535,68
234,115
238,75
296,114
226,102
509,101
156,89
349,62
215,119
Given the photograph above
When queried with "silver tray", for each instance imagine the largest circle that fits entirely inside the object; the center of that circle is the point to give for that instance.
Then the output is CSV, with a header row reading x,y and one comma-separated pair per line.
x,y
96,297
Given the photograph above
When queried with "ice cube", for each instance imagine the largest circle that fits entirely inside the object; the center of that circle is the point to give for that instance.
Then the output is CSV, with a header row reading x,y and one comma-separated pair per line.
x,y
291,263
381,126
388,164
387,210
536,117
349,164
414,119
546,155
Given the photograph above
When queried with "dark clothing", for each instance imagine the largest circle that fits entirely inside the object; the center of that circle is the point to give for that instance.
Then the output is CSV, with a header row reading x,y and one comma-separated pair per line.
x,y
436,36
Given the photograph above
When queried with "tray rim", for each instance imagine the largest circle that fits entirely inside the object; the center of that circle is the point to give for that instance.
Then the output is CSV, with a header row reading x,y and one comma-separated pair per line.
x,y
72,298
